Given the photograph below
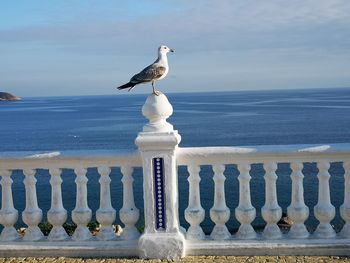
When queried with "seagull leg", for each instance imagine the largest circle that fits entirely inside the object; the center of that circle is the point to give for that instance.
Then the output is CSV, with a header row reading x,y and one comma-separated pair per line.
x,y
155,92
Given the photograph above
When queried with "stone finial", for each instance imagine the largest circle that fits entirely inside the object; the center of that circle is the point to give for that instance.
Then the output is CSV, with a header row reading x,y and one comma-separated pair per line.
x,y
157,109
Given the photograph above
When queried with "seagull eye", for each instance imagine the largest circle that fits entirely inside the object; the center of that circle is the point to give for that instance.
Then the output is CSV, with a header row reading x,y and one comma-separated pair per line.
x,y
164,47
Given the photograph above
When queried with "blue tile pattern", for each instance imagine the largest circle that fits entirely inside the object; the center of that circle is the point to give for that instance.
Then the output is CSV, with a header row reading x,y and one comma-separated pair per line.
x,y
159,194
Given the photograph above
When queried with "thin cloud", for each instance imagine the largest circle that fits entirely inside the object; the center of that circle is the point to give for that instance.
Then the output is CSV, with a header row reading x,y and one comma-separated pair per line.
x,y
246,43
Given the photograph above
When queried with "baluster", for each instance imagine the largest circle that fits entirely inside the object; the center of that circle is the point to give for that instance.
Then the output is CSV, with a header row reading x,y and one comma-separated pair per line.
x,y
129,214
324,211
8,214
271,211
345,207
105,214
32,214
297,211
194,213
57,215
245,212
219,213
81,214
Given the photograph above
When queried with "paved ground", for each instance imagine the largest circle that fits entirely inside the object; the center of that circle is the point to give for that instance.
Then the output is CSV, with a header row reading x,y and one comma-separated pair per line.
x,y
204,259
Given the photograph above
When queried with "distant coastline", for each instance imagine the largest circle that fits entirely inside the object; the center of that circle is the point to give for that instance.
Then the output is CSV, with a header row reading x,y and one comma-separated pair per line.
x,y
5,96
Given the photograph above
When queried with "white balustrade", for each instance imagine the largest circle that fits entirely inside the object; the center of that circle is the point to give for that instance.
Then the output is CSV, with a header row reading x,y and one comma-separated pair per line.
x,y
345,207
129,214
57,215
8,214
106,214
194,213
32,214
81,214
245,212
271,211
324,211
219,213
298,212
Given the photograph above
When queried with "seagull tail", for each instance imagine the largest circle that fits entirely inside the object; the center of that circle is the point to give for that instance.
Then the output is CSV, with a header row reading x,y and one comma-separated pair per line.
x,y
126,86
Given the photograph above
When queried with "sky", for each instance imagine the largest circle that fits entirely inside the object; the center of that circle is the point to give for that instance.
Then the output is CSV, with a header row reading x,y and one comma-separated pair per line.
x,y
85,47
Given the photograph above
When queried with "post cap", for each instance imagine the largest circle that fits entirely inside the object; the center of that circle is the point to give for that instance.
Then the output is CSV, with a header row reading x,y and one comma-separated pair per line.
x,y
157,109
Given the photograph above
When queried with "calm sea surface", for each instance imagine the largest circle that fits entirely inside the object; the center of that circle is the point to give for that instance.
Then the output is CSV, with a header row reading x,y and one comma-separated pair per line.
x,y
318,116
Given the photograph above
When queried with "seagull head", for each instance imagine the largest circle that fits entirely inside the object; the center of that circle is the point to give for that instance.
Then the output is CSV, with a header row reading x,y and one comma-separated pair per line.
x,y
164,49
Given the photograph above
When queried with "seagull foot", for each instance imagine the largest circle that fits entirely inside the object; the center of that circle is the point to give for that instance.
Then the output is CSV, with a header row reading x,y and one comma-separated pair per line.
x,y
156,92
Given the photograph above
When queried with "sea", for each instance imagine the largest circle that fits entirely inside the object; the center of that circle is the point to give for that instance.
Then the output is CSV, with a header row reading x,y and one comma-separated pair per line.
x,y
238,118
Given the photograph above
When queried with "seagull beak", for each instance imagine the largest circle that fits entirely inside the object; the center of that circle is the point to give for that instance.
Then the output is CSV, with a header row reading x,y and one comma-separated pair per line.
x,y
172,50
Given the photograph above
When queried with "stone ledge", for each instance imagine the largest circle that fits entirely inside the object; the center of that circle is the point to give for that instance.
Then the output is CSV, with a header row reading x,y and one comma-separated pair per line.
x,y
88,249
127,249
305,247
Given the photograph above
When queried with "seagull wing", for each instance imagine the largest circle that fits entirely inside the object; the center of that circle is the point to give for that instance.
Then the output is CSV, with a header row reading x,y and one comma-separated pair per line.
x,y
152,72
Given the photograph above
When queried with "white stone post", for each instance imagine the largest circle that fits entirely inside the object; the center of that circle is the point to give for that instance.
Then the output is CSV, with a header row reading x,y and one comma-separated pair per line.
x,y
194,213
271,211
57,215
32,214
245,212
219,213
157,143
106,214
8,214
129,214
81,214
297,211
345,207
324,211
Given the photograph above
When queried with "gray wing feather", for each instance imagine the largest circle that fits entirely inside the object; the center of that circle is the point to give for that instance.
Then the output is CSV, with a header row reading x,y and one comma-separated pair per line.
x,y
152,72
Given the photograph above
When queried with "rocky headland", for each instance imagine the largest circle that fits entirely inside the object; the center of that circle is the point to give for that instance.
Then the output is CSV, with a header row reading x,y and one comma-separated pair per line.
x,y
8,97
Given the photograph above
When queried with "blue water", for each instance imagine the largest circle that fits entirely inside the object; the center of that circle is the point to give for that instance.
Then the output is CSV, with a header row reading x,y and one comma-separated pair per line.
x,y
317,116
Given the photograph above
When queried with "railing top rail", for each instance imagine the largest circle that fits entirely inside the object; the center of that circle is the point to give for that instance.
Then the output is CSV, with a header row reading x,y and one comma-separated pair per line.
x,y
68,159
185,156
261,154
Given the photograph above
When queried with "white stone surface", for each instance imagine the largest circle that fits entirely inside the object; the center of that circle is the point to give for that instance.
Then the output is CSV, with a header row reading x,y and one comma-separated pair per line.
x,y
129,214
260,154
162,245
157,109
345,207
57,215
324,211
81,215
311,247
159,140
271,211
297,211
106,214
245,212
219,213
32,214
194,213
8,214
70,248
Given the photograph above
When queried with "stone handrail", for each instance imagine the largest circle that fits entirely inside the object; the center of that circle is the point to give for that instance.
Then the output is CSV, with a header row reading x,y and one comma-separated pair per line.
x,y
68,159
261,154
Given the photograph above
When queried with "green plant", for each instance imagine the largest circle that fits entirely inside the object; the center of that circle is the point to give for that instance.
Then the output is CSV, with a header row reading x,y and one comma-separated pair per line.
x,y
70,228
45,227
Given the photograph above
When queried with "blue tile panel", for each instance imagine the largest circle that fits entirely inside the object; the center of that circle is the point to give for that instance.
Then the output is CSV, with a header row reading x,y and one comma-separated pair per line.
x,y
159,194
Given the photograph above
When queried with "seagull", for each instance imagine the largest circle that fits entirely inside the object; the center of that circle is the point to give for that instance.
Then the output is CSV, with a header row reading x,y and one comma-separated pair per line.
x,y
156,71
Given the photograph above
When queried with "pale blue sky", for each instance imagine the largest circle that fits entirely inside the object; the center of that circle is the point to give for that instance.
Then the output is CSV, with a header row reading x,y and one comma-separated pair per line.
x,y
85,47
